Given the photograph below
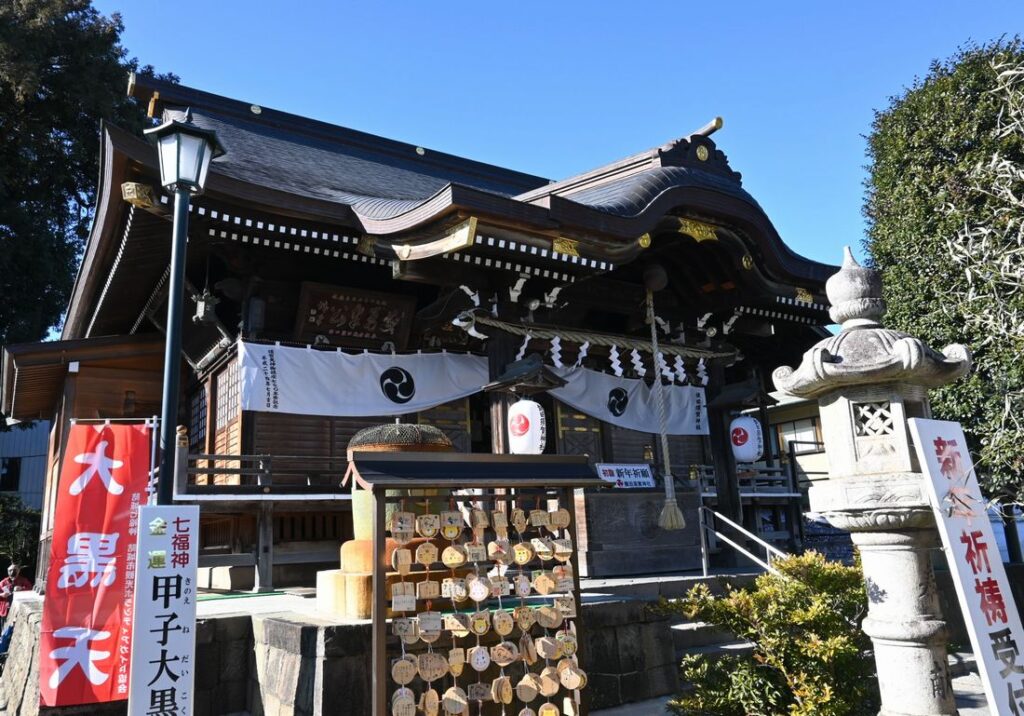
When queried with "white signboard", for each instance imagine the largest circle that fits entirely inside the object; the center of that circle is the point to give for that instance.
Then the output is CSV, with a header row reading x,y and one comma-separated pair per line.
x,y
981,584
164,638
638,475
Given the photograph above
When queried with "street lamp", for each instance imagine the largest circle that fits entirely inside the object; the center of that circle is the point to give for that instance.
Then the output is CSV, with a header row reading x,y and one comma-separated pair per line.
x,y
185,151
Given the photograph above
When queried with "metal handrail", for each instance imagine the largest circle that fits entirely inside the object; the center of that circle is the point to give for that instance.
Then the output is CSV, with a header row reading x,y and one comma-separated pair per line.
x,y
771,552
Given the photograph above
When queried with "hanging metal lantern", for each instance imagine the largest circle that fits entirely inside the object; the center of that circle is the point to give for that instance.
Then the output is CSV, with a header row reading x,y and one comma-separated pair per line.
x,y
527,428
746,438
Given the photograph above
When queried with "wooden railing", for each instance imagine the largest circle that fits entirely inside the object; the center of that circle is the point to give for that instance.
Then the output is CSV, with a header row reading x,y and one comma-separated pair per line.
x,y
260,477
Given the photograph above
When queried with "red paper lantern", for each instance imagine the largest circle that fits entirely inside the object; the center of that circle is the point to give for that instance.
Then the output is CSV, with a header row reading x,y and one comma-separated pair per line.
x,y
527,428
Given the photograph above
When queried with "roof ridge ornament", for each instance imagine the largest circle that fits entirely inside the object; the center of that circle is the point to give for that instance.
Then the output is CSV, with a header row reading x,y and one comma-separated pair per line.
x,y
864,352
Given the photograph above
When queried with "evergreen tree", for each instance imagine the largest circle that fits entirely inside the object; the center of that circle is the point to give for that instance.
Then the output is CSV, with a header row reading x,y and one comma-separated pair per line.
x,y
945,222
62,71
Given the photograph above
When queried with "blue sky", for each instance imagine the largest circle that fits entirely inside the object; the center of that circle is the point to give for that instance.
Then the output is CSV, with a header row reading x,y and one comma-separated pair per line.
x,y
554,88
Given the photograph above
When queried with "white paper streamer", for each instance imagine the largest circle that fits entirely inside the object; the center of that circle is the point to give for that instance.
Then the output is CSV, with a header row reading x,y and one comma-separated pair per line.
x,y
583,353
556,351
680,367
663,367
615,361
474,296
702,372
638,364
522,348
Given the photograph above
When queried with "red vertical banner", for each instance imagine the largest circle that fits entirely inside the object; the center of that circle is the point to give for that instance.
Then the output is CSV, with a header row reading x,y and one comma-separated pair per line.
x,y
85,642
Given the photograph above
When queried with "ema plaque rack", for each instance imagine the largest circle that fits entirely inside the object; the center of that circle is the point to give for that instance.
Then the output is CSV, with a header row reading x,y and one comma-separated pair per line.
x,y
476,596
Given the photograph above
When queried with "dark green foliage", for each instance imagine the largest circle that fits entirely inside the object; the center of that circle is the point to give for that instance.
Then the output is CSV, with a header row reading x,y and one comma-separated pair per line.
x,y
62,70
809,654
19,532
926,152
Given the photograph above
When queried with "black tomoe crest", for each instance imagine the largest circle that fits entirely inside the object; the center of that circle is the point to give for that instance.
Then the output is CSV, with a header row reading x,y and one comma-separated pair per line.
x,y
618,399
397,385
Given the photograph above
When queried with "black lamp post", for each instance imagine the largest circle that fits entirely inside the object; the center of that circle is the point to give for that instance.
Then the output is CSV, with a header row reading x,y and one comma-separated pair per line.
x,y
185,152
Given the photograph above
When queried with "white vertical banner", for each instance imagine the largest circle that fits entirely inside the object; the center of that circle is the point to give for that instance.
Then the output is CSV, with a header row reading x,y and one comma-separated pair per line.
x,y
984,592
164,634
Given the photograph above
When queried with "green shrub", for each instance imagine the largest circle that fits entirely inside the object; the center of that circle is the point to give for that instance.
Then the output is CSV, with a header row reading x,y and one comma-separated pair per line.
x,y
809,654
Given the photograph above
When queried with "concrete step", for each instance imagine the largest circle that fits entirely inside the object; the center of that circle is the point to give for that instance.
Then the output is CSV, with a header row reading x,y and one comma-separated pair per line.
x,y
732,648
689,635
669,586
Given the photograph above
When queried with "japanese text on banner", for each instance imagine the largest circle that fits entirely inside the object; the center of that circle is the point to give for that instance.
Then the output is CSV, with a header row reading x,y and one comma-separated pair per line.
x,y
85,641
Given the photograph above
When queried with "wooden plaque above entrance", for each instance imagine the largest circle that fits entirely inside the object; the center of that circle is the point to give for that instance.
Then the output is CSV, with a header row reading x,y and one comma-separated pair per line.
x,y
355,318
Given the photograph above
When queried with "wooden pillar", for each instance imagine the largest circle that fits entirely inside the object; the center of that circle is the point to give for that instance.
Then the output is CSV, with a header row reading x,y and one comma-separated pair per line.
x,y
501,350
264,577
726,484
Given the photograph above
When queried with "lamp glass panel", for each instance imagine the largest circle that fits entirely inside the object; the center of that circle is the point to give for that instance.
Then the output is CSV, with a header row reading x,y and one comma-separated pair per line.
x,y
204,164
190,158
168,151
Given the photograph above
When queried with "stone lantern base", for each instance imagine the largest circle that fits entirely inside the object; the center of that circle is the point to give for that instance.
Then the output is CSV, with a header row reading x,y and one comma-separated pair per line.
x,y
893,527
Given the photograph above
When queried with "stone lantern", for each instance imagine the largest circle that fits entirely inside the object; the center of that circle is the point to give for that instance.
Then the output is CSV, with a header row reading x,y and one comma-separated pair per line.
x,y
868,380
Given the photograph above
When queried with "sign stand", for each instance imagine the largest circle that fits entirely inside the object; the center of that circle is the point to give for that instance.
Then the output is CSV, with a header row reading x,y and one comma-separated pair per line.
x,y
982,587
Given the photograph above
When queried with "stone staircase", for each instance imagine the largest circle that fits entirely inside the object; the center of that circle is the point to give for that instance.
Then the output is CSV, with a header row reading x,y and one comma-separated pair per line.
x,y
686,637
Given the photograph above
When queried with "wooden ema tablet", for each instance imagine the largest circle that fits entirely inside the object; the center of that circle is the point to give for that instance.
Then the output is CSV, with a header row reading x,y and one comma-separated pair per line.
x,y
479,691
522,553
503,622
521,585
525,618
403,670
456,660
455,700
452,524
528,649
504,653
528,688
428,525
432,666
549,682
480,623
479,658
501,690
559,519
427,554
430,703
519,521
549,617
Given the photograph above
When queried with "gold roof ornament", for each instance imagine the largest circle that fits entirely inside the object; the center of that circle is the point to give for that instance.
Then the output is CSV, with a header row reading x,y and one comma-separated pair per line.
x,y
698,230
569,247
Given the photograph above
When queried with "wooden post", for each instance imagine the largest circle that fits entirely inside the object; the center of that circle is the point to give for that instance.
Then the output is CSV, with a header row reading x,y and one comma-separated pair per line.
x,y
379,652
264,577
501,350
726,483
181,463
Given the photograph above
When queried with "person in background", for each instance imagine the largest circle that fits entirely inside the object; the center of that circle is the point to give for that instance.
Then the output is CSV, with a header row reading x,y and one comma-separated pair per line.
x,y
13,583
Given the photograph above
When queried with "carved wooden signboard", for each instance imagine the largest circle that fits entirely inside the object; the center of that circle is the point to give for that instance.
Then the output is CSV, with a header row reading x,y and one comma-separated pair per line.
x,y
332,315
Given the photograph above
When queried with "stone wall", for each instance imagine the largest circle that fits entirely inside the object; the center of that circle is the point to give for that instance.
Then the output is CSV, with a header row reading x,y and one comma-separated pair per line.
x,y
309,667
224,648
629,653
286,664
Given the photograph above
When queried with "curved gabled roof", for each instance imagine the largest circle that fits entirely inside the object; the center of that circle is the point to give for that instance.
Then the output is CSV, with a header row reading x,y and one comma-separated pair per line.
x,y
391,189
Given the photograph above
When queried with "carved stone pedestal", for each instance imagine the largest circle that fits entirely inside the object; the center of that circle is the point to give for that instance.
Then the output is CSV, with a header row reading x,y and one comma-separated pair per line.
x,y
894,529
